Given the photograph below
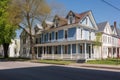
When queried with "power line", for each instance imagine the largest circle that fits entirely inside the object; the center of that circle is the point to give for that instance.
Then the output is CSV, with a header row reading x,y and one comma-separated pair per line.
x,y
111,5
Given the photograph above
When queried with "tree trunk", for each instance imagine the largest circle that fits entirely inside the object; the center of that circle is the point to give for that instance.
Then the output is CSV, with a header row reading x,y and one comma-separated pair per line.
x,y
5,47
32,47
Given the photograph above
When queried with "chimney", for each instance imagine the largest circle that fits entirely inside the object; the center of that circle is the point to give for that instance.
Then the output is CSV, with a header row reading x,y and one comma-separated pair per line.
x,y
115,24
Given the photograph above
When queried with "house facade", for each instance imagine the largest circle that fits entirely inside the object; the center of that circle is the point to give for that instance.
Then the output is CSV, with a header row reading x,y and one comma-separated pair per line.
x,y
14,48
73,37
68,38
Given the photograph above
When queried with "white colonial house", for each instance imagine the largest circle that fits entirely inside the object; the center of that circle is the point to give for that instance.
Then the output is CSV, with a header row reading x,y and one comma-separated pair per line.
x,y
68,38
110,47
14,48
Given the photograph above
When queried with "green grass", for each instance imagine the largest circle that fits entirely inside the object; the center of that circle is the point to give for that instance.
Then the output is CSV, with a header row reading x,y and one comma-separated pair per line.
x,y
106,61
59,62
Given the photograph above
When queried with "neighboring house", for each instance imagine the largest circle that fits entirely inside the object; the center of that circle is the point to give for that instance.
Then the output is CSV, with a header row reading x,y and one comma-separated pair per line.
x,y
14,48
25,43
68,38
110,47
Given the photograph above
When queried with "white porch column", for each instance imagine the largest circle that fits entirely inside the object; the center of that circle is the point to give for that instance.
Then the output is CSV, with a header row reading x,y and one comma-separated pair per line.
x,y
52,52
91,51
43,52
77,56
85,50
71,51
61,52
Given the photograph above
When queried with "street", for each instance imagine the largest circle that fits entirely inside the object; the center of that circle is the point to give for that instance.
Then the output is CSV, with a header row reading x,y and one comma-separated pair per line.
x,y
35,71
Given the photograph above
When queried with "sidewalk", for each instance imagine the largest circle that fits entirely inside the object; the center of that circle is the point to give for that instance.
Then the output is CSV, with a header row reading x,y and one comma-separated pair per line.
x,y
115,67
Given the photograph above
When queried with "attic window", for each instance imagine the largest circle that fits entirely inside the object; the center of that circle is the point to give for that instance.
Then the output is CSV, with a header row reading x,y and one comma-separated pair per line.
x,y
56,22
71,18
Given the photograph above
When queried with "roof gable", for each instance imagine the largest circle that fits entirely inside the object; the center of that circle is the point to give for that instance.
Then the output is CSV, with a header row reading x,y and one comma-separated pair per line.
x,y
104,27
88,20
60,20
108,29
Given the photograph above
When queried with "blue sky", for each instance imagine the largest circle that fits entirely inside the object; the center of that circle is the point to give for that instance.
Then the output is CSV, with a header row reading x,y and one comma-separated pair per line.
x,y
101,11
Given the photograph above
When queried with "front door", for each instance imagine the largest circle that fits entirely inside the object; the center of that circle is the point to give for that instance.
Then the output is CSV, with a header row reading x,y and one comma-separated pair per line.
x,y
89,51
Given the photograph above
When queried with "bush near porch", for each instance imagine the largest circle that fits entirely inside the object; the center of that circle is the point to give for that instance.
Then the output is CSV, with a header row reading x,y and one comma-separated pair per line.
x,y
109,61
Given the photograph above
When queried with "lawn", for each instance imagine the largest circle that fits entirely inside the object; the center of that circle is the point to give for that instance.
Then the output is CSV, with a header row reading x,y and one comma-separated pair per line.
x,y
59,62
105,61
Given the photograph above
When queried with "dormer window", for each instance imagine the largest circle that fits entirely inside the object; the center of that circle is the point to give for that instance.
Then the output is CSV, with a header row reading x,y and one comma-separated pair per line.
x,y
56,22
71,18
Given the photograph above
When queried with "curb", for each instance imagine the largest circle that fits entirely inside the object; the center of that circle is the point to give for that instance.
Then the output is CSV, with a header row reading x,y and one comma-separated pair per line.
x,y
97,66
103,67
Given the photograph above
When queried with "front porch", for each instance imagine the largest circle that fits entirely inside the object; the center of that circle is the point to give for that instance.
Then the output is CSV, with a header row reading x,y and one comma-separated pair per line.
x,y
74,51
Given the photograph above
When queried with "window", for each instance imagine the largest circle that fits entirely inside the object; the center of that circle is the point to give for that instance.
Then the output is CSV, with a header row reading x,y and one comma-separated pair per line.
x,y
56,37
66,34
24,40
40,40
50,36
73,48
56,22
60,34
53,35
36,40
45,38
71,32
71,19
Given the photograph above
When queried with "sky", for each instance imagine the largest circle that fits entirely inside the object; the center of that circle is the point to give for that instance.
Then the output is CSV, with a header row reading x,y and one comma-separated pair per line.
x,y
101,11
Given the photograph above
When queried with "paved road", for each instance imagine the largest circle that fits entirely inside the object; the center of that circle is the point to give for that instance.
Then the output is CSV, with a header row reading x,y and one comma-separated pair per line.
x,y
35,71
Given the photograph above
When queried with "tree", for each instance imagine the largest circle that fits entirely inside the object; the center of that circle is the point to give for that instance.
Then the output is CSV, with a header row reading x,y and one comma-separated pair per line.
x,y
26,12
7,30
98,41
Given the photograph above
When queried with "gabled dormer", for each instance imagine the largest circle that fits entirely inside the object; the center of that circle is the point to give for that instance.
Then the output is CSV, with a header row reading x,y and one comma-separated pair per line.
x,y
87,19
107,29
71,17
104,27
56,21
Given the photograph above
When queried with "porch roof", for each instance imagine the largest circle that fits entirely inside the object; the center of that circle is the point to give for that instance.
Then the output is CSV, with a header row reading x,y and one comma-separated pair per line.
x,y
64,43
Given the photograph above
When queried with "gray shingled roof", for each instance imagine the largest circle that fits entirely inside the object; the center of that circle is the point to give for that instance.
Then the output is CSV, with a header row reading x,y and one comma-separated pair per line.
x,y
101,26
